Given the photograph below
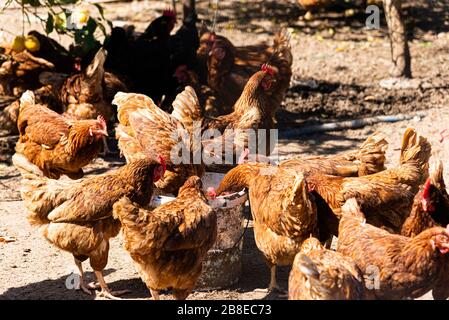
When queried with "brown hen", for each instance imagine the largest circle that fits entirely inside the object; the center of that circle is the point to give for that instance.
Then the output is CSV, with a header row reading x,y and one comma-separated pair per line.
x,y
400,267
229,68
168,244
386,197
82,93
55,144
321,274
283,211
146,130
254,110
76,216
430,205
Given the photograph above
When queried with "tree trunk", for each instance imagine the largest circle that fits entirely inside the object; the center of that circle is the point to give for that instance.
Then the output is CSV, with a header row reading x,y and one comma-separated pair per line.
x,y
400,52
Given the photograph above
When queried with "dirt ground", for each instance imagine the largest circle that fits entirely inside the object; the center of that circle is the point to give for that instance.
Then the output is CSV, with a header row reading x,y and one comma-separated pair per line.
x,y
336,77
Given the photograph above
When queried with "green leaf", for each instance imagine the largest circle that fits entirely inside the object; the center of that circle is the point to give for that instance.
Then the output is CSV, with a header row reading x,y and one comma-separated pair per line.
x,y
49,24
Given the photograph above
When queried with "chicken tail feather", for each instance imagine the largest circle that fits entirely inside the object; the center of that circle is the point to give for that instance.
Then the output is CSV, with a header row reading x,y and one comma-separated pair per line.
x,y
372,154
140,233
96,68
282,45
415,149
40,194
95,71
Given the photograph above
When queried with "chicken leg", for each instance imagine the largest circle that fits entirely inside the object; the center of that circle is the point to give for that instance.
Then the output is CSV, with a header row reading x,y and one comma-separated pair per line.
x,y
273,287
154,294
83,286
106,151
105,291
181,294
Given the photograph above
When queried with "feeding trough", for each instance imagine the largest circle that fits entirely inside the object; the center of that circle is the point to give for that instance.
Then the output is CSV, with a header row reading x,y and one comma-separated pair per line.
x,y
222,265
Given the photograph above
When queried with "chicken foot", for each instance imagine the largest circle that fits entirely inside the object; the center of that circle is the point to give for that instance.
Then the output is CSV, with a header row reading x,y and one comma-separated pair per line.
x,y
86,288
273,287
154,294
105,291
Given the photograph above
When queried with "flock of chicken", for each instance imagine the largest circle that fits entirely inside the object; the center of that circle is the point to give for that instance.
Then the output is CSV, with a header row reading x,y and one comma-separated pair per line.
x,y
387,220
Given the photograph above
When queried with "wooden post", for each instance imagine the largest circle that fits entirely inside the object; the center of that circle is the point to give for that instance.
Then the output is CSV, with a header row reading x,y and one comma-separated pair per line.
x,y
400,52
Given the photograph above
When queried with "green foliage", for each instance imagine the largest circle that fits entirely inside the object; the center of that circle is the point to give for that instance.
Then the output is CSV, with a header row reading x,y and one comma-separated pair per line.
x,y
60,19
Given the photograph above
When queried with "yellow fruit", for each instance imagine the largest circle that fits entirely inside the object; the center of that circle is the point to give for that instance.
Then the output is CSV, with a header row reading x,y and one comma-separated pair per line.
x,y
32,44
60,21
18,43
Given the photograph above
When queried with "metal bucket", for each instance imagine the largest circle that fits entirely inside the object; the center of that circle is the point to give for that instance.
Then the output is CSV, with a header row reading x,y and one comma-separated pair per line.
x,y
222,265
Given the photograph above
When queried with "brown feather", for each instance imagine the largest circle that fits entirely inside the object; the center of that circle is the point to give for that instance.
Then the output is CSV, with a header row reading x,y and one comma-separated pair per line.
x,y
402,266
168,244
53,143
321,274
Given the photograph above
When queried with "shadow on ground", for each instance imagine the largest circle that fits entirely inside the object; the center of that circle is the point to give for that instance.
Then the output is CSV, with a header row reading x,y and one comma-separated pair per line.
x,y
421,15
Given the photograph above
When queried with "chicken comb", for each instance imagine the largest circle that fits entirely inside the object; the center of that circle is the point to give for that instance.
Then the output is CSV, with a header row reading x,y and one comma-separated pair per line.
x,y
426,191
268,69
212,37
169,13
